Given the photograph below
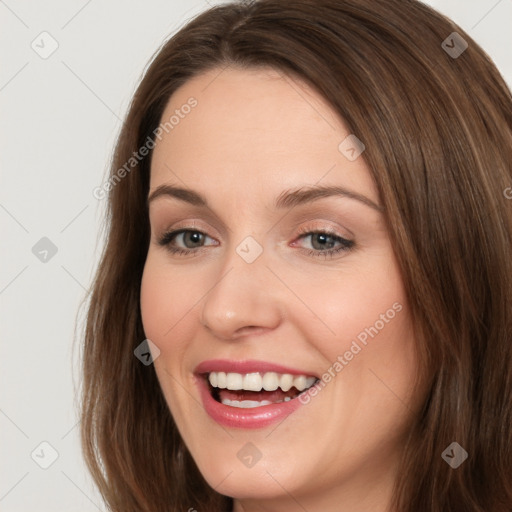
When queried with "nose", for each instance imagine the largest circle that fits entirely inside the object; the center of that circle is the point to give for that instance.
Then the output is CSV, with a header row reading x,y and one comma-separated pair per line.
x,y
243,299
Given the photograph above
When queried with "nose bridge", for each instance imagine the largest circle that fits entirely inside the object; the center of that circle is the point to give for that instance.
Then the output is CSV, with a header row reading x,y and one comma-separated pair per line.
x,y
242,294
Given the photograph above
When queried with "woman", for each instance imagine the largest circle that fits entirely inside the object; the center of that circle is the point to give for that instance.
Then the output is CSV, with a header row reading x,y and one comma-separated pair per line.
x,y
304,298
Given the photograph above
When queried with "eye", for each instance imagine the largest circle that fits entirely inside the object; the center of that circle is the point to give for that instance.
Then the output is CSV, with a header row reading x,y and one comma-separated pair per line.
x,y
191,239
324,243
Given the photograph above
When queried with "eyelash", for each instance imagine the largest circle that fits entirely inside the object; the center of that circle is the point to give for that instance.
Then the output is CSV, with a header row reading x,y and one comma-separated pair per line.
x,y
346,244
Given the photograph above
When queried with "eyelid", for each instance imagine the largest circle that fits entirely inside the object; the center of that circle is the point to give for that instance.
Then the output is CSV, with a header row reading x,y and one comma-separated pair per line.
x,y
191,225
317,226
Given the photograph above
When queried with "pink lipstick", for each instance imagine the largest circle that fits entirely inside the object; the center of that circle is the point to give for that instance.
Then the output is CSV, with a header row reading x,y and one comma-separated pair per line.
x,y
250,394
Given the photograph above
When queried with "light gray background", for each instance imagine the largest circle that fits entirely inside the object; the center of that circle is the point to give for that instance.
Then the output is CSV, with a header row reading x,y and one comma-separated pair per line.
x,y
59,120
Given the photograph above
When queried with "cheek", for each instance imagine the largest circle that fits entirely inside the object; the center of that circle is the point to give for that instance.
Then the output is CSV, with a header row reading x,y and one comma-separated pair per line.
x,y
362,327
352,305
164,302
167,303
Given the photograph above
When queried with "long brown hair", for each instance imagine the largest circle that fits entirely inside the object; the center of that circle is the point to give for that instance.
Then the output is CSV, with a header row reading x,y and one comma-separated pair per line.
x,y
437,127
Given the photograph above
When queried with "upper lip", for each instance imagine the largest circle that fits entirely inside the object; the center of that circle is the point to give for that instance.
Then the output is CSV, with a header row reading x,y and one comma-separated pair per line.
x,y
247,366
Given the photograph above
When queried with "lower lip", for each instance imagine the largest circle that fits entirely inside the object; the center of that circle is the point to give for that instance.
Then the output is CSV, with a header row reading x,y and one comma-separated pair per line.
x,y
235,417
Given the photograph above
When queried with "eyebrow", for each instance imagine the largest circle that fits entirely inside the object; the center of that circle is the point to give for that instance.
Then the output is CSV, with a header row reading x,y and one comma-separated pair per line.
x,y
287,199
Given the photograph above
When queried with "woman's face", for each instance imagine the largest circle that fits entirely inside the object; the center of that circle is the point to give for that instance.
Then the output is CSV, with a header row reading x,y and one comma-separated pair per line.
x,y
275,285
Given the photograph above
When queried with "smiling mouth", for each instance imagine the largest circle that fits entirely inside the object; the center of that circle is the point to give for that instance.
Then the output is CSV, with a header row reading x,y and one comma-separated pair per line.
x,y
250,390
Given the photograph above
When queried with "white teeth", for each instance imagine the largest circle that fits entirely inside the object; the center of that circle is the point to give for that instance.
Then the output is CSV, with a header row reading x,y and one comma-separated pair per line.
x,y
286,382
252,382
245,404
213,378
255,381
270,381
310,381
234,381
300,382
221,380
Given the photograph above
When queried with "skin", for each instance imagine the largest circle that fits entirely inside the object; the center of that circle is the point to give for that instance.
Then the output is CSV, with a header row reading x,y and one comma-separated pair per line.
x,y
253,134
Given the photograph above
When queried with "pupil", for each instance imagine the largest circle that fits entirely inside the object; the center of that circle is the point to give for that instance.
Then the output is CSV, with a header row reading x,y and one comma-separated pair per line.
x,y
323,241
193,236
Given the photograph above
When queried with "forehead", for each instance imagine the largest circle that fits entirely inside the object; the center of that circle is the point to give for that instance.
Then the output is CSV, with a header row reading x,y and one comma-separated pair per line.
x,y
254,127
